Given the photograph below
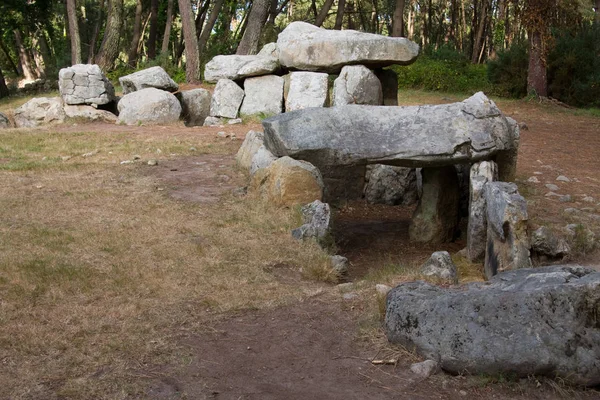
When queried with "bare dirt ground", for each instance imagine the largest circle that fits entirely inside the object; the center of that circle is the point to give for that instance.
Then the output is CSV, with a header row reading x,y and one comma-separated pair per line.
x,y
317,345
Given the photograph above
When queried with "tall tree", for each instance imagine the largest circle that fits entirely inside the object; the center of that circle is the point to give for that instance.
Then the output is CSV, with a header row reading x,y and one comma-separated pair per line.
x,y
212,19
325,11
479,37
152,34
168,24
597,10
339,17
74,32
398,19
132,55
3,88
192,56
256,21
95,33
24,57
109,49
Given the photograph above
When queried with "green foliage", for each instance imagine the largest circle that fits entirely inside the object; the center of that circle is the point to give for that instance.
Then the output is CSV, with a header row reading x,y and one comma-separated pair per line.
x,y
446,70
574,67
508,72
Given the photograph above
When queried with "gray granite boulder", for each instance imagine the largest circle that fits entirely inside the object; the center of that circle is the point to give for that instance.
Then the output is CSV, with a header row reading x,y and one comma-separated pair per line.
x,y
149,107
4,121
316,217
357,84
545,243
541,321
154,77
507,246
89,113
305,90
440,266
252,142
263,95
304,46
386,184
85,84
40,111
236,67
480,174
263,158
227,99
195,105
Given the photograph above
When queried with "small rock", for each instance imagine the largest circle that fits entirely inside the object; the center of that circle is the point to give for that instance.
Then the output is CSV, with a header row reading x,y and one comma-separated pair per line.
x,y
425,369
538,173
213,121
533,179
570,210
234,121
523,126
382,289
137,157
339,265
126,162
91,153
565,199
222,134
152,162
545,243
440,265
552,194
65,158
462,393
563,178
552,187
350,296
588,199
193,149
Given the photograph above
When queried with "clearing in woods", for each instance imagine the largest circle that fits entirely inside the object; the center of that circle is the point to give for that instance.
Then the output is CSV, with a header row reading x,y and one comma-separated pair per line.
x,y
125,280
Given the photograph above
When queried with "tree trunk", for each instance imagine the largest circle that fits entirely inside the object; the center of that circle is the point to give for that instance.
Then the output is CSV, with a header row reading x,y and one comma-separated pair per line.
x,y
135,39
192,56
14,66
453,19
45,51
478,43
398,19
210,24
256,21
597,10
201,17
169,23
24,58
3,88
324,11
151,45
350,13
424,31
536,74
94,38
74,32
339,18
109,49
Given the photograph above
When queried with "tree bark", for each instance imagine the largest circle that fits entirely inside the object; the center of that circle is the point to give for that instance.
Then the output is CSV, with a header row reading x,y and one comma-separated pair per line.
x,y
152,34
324,11
109,49
3,88
478,43
24,58
398,19
94,38
74,32
210,24
132,55
597,10
192,56
256,21
536,74
14,66
201,17
169,23
339,18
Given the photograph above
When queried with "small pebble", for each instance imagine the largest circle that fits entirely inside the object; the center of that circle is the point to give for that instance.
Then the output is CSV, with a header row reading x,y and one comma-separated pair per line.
x,y
533,179
538,173
234,121
193,149
571,210
565,199
552,187
563,178
222,134
126,162
552,194
462,393
137,157
152,162
588,199
382,289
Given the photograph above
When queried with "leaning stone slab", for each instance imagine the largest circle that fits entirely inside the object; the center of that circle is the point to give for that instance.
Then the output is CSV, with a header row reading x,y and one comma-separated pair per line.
x,y
40,111
481,173
288,182
149,107
227,99
4,121
264,95
306,89
391,185
252,142
415,136
507,246
85,84
306,47
236,67
357,84
154,77
89,113
541,321
195,105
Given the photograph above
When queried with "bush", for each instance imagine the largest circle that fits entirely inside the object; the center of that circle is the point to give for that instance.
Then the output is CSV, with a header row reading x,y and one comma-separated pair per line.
x,y
446,70
508,72
574,67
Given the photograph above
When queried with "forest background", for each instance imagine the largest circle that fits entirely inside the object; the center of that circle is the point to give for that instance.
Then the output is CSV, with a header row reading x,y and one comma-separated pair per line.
x,y
511,48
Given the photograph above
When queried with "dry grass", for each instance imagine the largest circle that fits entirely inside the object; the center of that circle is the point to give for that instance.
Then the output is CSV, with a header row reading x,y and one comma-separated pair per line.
x,y
99,270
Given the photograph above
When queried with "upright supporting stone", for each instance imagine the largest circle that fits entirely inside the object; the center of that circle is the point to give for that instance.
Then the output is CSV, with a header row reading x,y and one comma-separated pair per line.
x,y
507,245
436,217
481,173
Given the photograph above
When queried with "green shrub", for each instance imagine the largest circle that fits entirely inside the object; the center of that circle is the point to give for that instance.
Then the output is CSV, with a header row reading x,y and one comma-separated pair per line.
x,y
508,72
574,67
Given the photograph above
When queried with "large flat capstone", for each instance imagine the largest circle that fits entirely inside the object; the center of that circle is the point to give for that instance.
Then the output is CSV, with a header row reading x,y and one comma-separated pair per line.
x,y
306,47
415,136
541,321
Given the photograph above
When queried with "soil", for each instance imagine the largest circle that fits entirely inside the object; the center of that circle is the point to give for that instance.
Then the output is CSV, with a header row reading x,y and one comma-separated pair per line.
x,y
315,349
